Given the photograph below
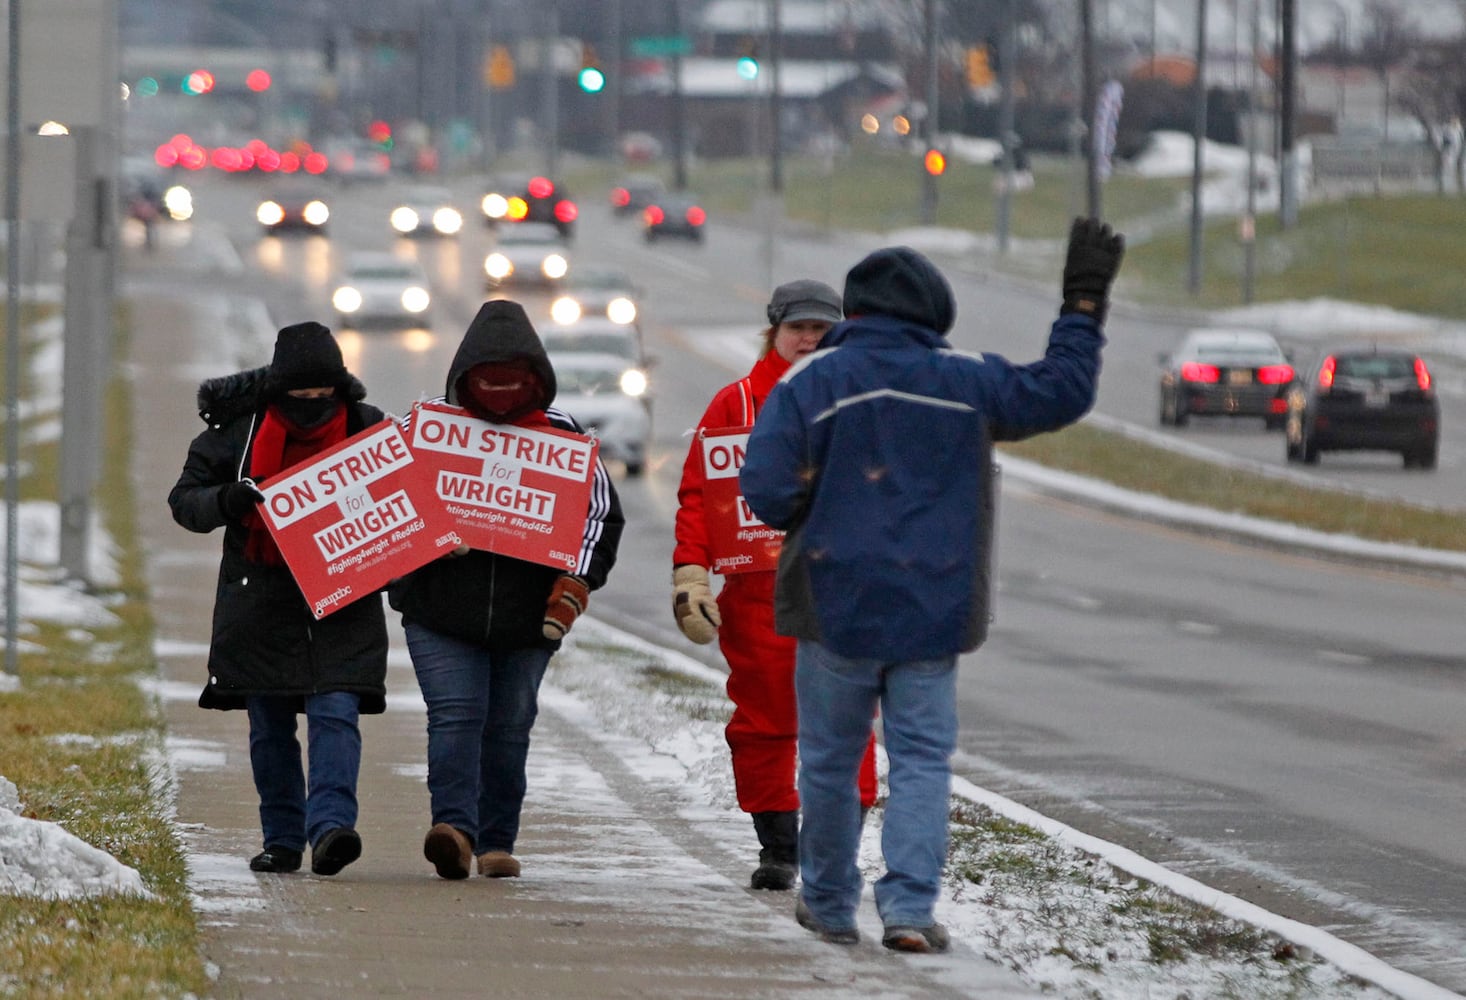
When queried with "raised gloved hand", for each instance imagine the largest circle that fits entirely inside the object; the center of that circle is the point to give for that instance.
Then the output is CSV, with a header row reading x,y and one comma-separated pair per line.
x,y
693,604
568,600
238,499
1095,252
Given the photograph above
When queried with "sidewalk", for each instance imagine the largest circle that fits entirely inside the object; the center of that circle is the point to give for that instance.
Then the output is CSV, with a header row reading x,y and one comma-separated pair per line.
x,y
622,895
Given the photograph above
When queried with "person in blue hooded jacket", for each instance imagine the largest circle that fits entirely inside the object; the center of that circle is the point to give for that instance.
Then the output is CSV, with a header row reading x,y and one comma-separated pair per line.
x,y
874,454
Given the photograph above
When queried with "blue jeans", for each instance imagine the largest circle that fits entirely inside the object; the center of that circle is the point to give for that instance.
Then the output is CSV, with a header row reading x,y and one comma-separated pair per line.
x,y
918,705
289,816
481,707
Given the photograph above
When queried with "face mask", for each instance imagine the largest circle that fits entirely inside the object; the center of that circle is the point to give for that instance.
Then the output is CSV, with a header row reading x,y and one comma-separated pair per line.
x,y
511,396
307,414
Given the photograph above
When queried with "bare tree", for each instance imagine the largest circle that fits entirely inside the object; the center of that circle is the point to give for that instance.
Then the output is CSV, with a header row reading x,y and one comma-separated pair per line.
x,y
1433,90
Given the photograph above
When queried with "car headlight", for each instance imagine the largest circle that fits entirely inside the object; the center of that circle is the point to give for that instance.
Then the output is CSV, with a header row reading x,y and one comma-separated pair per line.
x,y
554,266
178,200
346,299
415,299
621,310
447,221
498,267
316,213
495,205
633,382
270,213
403,219
565,310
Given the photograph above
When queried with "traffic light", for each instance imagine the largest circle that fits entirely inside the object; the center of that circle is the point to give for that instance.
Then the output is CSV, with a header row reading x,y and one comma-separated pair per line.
x,y
380,133
590,78
979,67
200,81
748,59
258,81
935,162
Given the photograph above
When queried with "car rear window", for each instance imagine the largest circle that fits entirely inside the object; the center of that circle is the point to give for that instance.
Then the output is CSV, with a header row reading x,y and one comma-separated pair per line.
x,y
1376,366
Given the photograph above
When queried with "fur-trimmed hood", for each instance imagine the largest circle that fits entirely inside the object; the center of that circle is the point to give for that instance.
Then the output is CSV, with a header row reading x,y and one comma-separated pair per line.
x,y
226,398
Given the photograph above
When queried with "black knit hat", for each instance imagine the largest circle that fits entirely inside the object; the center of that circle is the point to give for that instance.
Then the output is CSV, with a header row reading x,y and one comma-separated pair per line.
x,y
306,356
900,282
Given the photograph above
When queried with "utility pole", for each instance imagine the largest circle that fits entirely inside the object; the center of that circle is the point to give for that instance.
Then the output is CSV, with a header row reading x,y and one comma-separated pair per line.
x,y
1087,96
12,344
1287,109
1249,221
776,112
679,116
929,124
1007,53
1198,135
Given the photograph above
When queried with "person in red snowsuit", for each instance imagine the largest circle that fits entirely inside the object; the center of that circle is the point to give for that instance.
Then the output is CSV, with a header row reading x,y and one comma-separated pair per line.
x,y
763,731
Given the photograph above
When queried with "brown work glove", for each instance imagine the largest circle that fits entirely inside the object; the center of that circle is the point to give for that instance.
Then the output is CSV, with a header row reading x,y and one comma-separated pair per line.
x,y
568,600
693,604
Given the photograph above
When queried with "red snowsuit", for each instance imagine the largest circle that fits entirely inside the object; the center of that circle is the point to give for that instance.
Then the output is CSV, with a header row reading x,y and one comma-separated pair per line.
x,y
763,731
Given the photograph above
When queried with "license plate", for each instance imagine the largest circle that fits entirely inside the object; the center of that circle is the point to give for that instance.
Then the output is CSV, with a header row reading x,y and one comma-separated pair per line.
x,y
1239,376
1376,397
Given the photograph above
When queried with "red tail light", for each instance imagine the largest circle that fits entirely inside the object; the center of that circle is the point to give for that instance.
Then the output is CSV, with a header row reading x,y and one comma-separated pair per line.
x,y
1422,375
696,216
565,211
654,215
620,197
1275,374
540,187
1326,373
1195,371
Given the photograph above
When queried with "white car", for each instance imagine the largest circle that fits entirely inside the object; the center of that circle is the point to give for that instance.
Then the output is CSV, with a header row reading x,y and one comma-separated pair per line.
x,y
596,291
611,400
528,253
382,288
426,211
594,335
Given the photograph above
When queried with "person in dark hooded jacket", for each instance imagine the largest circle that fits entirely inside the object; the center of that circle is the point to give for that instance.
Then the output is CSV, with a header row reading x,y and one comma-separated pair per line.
x,y
874,454
268,654
481,627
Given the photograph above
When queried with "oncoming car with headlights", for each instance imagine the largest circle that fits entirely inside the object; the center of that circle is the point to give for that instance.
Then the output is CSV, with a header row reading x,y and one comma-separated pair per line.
x,y
379,288
595,292
426,211
611,400
530,253
294,209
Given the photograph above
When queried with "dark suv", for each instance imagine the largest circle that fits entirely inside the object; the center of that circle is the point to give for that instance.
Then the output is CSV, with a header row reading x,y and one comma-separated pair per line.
x,y
531,199
1365,399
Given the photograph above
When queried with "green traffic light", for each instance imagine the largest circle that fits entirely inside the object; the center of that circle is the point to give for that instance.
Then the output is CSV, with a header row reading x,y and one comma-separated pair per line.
x,y
592,80
748,67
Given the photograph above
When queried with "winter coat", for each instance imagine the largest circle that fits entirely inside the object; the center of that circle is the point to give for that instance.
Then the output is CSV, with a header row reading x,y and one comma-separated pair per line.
x,y
265,639
494,600
875,455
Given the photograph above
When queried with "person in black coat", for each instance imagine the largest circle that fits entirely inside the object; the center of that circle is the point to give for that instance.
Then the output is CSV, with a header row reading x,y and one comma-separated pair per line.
x,y
267,653
481,627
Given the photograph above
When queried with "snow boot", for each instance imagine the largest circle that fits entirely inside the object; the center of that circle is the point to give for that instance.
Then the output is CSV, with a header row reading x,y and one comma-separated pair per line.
x,y
778,860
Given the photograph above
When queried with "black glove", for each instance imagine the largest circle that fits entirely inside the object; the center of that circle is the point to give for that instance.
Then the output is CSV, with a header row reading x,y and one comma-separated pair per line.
x,y
1095,251
238,499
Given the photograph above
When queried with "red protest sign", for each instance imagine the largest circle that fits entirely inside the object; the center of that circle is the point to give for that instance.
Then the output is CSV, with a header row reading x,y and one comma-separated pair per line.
x,y
518,491
354,517
739,541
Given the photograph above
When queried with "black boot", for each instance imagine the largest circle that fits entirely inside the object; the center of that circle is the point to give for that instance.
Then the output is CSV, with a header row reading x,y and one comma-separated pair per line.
x,y
778,861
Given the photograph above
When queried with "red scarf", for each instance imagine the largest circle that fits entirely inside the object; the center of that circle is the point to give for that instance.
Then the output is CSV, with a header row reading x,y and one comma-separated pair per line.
x,y
278,445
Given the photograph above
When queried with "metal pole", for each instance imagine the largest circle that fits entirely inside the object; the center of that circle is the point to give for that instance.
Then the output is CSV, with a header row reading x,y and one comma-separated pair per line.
x,y
1087,111
1288,181
1198,135
1249,222
679,116
551,84
12,343
1007,50
929,125
615,43
776,145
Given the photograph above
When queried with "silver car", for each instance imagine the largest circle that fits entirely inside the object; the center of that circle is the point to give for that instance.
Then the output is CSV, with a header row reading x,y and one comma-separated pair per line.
x,y
611,399
528,253
381,288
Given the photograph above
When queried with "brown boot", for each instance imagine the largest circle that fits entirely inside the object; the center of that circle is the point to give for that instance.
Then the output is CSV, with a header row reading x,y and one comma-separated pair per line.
x,y
450,851
498,864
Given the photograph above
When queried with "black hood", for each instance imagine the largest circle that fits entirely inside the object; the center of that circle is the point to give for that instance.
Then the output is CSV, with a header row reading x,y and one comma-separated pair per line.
x,y
501,332
226,398
900,282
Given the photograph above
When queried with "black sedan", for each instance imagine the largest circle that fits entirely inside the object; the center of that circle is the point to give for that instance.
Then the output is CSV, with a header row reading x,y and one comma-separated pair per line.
x,y
1365,398
1229,373
677,215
